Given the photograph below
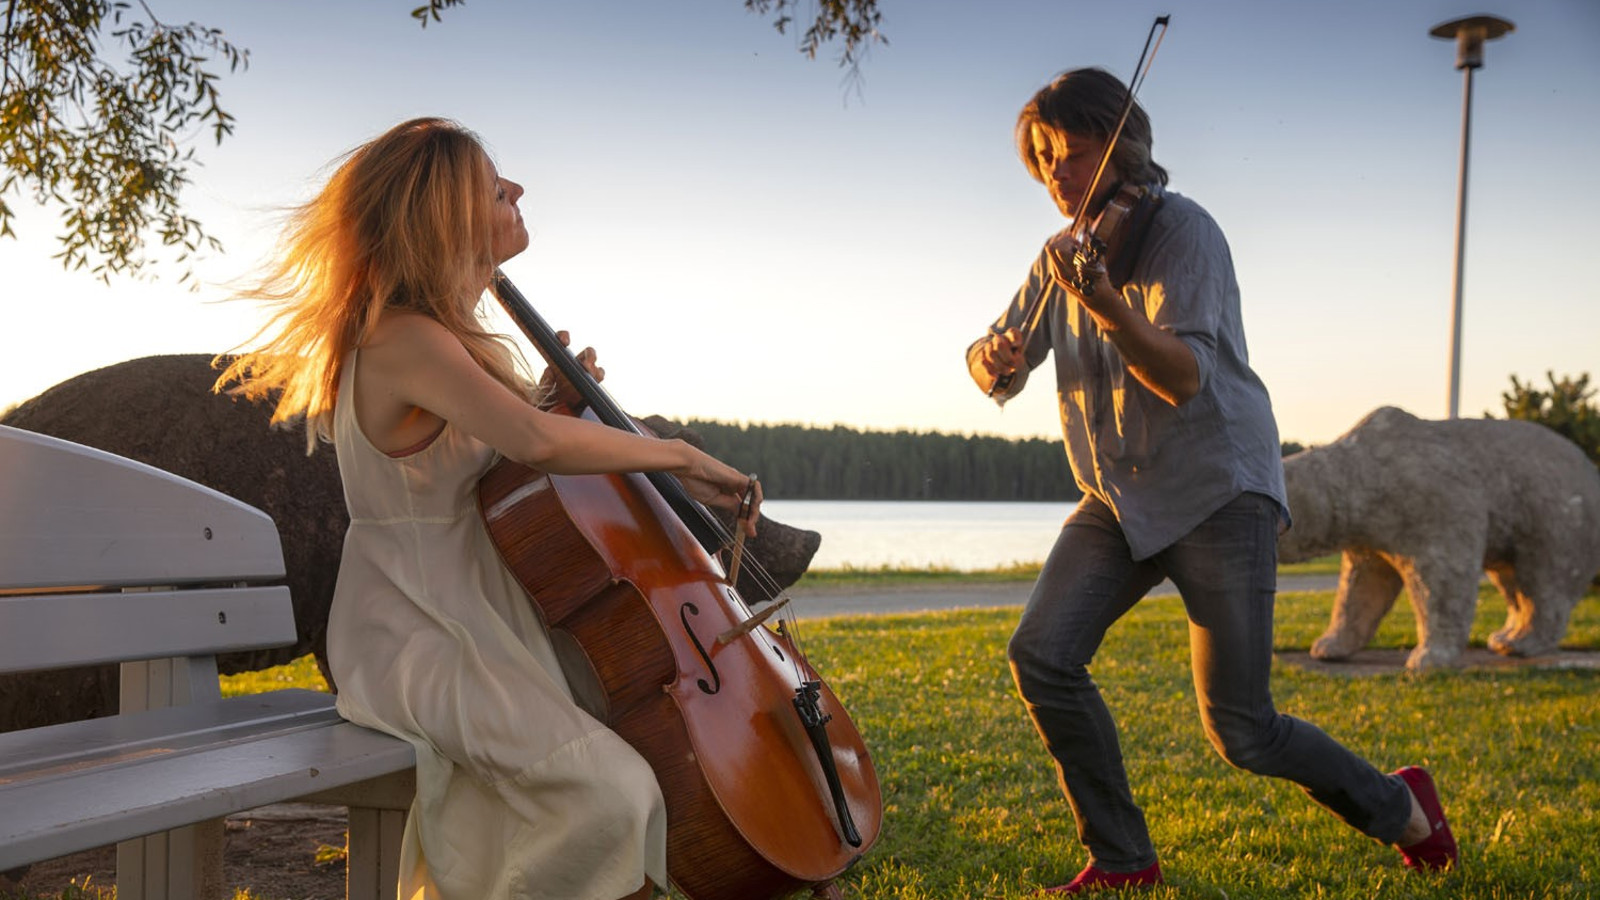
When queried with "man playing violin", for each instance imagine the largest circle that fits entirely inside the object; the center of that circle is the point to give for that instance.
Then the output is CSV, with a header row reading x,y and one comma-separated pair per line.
x,y
1172,440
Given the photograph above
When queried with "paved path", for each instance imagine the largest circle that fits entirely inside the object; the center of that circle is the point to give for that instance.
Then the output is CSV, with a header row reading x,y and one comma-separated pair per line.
x,y
816,603
819,602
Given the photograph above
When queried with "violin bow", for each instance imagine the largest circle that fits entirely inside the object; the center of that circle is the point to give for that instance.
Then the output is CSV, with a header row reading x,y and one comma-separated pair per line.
x,y
1140,70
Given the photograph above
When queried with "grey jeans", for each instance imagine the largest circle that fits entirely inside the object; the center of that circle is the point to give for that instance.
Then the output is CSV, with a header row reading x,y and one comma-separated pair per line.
x,y
1226,571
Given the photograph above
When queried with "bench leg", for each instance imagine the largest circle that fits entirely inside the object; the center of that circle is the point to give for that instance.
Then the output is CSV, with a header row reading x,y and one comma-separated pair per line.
x,y
372,858
183,864
378,809
186,863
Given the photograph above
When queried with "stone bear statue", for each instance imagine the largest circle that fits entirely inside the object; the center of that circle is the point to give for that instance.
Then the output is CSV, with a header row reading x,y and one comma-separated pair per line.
x,y
1432,505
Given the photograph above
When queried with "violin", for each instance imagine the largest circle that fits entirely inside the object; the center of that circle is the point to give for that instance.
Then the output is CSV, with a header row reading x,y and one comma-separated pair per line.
x,y
1115,236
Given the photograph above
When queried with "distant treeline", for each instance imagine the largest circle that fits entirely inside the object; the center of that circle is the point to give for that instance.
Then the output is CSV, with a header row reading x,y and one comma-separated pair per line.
x,y
800,462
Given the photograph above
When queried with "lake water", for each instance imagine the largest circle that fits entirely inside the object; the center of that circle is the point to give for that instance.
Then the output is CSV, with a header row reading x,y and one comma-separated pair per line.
x,y
919,534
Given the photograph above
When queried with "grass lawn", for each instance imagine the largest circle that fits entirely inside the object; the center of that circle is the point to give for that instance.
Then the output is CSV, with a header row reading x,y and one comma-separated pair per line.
x,y
971,808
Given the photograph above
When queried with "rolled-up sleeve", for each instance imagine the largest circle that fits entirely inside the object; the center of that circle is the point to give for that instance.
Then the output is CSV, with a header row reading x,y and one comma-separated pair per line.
x,y
1189,285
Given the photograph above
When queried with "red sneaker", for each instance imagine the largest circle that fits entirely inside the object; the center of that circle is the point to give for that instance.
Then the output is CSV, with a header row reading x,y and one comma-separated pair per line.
x,y
1438,850
1093,878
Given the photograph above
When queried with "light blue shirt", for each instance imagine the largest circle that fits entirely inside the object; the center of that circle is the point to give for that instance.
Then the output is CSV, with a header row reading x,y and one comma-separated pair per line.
x,y
1162,469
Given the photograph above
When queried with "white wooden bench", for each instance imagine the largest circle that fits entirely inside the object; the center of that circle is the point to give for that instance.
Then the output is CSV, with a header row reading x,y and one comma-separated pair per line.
x,y
107,560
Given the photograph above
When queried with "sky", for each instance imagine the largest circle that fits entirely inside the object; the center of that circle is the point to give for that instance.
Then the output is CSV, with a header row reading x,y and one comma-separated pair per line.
x,y
748,235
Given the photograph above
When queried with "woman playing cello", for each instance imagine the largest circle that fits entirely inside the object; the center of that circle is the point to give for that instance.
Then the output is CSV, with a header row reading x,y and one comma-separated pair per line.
x,y
376,342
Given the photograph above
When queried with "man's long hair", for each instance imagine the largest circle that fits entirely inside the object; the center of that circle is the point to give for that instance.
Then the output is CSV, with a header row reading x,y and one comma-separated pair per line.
x,y
1087,103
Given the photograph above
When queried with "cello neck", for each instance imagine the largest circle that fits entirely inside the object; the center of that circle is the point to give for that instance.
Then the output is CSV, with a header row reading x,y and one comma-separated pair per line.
x,y
707,529
556,354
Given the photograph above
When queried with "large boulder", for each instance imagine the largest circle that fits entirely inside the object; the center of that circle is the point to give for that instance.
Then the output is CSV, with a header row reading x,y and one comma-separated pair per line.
x,y
1431,506
160,410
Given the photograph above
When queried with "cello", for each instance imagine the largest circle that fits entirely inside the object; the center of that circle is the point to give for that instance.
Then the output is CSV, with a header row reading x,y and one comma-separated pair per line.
x,y
769,787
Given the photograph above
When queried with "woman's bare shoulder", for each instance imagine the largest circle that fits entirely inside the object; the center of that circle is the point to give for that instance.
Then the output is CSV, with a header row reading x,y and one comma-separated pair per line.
x,y
405,325
403,337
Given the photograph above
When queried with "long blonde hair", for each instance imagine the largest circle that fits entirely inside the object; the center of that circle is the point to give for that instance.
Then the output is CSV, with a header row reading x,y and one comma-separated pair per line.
x,y
404,223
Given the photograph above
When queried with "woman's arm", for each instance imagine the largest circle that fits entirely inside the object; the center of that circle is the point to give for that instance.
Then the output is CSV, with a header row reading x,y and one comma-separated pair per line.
x,y
418,366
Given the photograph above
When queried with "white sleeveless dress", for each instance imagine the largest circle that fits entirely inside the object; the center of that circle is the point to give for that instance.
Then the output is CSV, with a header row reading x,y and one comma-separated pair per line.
x,y
520,794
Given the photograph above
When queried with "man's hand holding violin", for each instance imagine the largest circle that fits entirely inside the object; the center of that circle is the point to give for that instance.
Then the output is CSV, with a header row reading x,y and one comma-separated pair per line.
x,y
1086,277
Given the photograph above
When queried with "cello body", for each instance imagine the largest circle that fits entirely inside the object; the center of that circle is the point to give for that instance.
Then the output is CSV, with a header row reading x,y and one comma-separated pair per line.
x,y
635,606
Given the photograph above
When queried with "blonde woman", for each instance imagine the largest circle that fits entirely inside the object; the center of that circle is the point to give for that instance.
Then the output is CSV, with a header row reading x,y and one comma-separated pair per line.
x,y
376,343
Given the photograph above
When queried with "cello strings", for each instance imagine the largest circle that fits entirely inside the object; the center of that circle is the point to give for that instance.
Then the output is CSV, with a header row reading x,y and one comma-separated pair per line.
x,y
788,620
562,358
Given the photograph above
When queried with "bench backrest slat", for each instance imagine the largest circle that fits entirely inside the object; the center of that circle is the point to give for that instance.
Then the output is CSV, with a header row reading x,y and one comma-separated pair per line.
x,y
71,515
66,630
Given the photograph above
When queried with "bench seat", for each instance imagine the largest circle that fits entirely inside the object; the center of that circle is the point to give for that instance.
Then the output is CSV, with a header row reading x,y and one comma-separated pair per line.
x,y
80,785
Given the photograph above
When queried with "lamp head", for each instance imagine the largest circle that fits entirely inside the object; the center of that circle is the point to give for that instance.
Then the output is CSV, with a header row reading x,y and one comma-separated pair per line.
x,y
1470,33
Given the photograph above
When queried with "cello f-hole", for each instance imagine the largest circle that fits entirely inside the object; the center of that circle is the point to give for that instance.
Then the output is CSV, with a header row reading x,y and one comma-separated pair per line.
x,y
684,612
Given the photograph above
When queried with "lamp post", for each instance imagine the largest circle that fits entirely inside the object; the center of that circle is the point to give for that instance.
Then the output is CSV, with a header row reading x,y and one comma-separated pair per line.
x,y
1469,33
